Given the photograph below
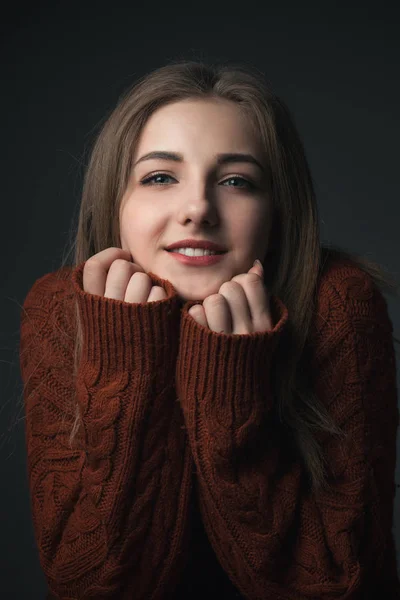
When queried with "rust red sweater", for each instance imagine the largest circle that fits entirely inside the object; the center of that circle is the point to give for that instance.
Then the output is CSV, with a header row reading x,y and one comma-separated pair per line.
x,y
175,490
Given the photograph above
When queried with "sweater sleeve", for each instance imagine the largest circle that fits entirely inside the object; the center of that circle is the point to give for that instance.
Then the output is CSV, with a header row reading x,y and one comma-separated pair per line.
x,y
108,514
273,538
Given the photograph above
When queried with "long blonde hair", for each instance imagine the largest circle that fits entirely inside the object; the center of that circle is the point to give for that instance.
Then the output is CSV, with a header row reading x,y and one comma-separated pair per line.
x,y
296,257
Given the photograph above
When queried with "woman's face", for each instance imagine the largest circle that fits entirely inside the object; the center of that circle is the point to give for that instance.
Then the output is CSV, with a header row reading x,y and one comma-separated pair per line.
x,y
196,197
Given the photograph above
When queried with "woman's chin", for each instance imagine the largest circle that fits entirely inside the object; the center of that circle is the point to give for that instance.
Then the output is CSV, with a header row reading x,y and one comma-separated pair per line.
x,y
190,293
183,298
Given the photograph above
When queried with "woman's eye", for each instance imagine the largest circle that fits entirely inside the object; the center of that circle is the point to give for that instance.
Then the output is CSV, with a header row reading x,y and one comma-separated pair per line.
x,y
152,177
247,183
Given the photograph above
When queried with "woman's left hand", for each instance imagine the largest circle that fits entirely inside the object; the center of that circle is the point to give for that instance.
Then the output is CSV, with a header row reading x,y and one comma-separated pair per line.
x,y
240,307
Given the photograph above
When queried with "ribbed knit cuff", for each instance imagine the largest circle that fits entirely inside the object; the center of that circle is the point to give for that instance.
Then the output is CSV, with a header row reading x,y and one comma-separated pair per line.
x,y
118,335
223,376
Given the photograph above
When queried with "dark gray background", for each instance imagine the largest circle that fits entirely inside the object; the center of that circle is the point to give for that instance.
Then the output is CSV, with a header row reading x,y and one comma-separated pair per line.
x,y
64,67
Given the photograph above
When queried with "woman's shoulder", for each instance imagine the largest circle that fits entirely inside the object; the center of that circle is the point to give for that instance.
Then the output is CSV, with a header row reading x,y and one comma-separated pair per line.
x,y
339,269
50,302
49,314
347,289
51,286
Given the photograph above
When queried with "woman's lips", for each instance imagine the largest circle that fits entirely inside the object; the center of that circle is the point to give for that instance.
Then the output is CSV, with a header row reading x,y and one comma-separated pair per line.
x,y
197,261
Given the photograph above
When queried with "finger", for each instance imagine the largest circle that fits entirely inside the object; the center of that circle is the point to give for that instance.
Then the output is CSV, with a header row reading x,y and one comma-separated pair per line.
x,y
257,301
197,312
157,293
257,268
96,269
217,313
236,307
138,288
118,277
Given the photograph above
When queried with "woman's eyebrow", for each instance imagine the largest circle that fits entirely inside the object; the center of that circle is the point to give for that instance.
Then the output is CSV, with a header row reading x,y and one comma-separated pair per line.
x,y
222,159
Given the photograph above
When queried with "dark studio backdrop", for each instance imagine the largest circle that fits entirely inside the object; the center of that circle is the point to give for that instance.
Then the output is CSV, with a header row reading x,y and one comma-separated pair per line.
x,y
64,66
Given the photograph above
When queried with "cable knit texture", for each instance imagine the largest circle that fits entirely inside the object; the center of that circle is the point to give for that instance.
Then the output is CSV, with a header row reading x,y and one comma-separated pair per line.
x,y
179,485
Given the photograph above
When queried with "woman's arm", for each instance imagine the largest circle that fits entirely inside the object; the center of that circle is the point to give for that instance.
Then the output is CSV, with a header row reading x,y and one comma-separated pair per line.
x,y
109,515
271,536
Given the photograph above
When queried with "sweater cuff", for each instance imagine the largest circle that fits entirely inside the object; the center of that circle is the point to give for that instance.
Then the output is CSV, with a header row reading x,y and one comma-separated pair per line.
x,y
230,372
139,337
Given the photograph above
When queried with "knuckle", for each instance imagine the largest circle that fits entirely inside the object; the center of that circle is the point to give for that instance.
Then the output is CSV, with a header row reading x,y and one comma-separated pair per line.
x,y
140,275
91,269
253,278
229,285
156,293
158,289
119,263
237,278
213,300
92,262
196,308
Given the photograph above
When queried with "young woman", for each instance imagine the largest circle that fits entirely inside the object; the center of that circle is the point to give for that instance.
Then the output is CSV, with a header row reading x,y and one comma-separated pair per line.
x,y
195,423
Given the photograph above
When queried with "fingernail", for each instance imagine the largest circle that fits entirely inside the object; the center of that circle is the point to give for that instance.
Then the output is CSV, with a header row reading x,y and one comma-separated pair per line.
x,y
257,263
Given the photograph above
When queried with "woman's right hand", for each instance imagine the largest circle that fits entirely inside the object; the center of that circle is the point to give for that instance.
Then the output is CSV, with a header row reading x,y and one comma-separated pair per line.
x,y
112,274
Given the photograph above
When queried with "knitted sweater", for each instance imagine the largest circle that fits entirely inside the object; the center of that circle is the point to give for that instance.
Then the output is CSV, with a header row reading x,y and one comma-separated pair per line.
x,y
181,482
